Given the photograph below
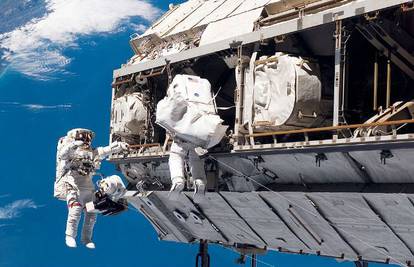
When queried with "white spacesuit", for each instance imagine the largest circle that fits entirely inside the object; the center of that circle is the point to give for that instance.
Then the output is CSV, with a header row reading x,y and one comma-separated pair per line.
x,y
188,113
113,187
77,162
180,151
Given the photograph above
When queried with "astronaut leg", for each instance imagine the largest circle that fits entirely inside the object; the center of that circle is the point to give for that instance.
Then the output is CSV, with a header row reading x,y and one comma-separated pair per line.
x,y
74,214
89,220
199,175
176,164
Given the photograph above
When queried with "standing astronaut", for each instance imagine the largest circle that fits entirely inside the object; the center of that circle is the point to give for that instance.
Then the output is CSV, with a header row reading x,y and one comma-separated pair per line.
x,y
179,152
76,163
188,113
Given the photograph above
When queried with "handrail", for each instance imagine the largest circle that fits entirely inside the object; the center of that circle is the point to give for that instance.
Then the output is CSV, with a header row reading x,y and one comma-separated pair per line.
x,y
148,145
288,11
332,128
116,83
311,130
145,145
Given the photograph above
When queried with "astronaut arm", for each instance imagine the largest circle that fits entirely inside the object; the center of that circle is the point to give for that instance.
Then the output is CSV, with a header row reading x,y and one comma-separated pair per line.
x,y
115,147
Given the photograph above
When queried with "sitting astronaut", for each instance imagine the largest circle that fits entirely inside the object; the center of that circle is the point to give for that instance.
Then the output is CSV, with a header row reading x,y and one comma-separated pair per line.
x,y
76,163
188,113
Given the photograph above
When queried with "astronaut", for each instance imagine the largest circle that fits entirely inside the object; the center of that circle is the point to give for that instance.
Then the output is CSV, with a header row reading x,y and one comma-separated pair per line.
x,y
189,115
76,164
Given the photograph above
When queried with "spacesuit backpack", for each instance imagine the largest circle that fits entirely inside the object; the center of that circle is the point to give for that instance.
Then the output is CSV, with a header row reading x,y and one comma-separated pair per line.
x,y
188,112
59,185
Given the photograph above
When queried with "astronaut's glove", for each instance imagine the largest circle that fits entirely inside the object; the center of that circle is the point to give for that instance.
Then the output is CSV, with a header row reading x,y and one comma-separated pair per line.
x,y
117,147
97,163
124,146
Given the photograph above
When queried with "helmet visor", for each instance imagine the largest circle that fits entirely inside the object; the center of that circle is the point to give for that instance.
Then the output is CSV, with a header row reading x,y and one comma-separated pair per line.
x,y
86,137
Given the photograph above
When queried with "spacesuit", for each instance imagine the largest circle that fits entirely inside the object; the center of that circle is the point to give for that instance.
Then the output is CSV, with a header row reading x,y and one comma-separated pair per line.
x,y
188,113
180,151
77,162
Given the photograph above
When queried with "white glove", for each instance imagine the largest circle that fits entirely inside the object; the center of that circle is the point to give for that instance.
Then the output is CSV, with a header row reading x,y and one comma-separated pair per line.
x,y
97,164
124,146
119,146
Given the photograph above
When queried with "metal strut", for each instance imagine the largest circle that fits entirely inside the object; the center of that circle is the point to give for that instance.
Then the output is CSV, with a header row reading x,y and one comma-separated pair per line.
x,y
338,76
202,257
361,264
254,260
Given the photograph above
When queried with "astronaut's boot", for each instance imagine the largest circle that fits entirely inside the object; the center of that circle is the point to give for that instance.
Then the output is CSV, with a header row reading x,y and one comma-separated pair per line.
x,y
199,191
90,245
176,188
70,241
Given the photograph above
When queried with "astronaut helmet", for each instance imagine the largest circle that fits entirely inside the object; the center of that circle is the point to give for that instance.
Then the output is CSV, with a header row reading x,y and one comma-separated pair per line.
x,y
81,134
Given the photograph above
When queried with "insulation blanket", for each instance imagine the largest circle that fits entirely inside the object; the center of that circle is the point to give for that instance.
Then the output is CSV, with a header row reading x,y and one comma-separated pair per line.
x,y
285,87
129,115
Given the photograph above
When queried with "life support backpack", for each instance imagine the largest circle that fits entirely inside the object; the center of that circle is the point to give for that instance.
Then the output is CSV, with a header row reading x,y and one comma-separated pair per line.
x,y
188,112
60,185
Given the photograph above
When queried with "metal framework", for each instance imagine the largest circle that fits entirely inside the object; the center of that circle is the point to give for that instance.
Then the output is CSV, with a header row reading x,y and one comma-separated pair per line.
x,y
357,226
299,24
203,258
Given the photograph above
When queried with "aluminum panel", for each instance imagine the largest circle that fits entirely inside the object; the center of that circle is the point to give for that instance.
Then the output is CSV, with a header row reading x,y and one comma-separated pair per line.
x,y
162,231
240,168
199,227
306,222
166,225
249,5
264,221
351,226
223,11
303,168
178,15
230,27
360,227
226,219
311,20
197,16
398,213
397,169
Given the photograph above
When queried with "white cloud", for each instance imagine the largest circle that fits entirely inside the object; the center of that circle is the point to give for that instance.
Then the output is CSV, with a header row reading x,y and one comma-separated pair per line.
x,y
14,209
40,107
139,28
36,49
35,107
